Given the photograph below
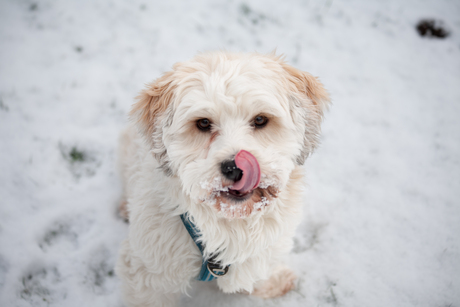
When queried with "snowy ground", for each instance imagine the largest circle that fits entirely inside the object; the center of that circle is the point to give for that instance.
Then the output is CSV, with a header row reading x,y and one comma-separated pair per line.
x,y
382,218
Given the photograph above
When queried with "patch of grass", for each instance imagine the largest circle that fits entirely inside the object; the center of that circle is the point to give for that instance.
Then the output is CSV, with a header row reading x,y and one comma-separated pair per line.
x,y
245,9
77,155
81,160
252,16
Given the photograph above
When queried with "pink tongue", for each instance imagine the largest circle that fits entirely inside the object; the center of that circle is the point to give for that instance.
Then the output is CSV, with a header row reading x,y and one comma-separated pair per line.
x,y
246,162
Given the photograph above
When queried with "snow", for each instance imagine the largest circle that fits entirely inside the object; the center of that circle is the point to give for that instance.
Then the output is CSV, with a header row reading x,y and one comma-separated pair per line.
x,y
382,213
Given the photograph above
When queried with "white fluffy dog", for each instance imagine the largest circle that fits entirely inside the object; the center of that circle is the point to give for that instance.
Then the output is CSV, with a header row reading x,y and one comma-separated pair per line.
x,y
218,141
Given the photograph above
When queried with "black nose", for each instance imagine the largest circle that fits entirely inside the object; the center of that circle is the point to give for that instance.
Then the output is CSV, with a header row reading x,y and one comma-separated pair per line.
x,y
230,170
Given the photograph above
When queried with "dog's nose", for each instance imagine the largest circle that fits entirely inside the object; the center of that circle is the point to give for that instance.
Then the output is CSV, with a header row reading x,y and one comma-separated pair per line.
x,y
230,170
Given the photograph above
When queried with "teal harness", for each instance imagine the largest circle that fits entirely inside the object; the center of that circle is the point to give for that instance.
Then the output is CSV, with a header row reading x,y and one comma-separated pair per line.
x,y
210,269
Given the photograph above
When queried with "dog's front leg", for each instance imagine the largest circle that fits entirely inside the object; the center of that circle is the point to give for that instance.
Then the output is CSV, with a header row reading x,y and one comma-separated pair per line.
x,y
246,277
263,275
242,277
238,279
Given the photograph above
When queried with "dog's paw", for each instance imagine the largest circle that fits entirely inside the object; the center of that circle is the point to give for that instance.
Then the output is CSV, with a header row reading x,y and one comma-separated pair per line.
x,y
280,283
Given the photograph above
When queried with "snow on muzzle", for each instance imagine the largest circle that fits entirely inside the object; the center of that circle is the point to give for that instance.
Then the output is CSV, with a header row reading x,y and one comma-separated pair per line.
x,y
246,162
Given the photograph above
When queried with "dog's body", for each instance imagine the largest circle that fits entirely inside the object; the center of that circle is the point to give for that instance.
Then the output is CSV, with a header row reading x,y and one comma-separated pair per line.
x,y
221,139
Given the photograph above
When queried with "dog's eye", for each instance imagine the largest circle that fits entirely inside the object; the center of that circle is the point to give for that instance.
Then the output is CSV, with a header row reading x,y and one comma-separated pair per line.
x,y
260,121
203,124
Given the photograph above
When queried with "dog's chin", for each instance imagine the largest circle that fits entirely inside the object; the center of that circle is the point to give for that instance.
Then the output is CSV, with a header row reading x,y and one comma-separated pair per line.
x,y
232,204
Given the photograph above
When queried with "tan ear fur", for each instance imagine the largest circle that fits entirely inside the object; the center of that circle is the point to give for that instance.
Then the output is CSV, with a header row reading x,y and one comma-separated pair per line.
x,y
308,88
148,113
153,102
309,85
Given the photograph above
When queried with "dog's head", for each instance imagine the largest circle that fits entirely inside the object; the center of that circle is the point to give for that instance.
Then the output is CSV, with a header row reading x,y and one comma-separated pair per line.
x,y
232,127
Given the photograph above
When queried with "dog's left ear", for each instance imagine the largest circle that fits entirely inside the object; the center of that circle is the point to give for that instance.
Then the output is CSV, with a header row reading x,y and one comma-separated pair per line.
x,y
152,112
311,100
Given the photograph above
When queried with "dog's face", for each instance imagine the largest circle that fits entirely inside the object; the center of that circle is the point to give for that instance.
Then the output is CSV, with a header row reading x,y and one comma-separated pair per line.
x,y
232,127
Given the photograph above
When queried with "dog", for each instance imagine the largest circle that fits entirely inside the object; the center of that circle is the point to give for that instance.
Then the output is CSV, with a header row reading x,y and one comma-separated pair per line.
x,y
212,172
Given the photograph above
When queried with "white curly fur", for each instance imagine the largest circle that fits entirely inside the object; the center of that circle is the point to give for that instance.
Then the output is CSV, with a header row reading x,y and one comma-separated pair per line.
x,y
169,167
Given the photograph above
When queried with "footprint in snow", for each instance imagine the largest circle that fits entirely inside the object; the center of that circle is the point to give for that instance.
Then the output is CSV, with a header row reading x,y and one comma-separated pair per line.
x,y
100,276
39,286
63,235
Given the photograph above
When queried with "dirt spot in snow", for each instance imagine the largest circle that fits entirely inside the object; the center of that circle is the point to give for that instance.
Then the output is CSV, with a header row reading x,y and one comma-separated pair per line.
x,y
432,28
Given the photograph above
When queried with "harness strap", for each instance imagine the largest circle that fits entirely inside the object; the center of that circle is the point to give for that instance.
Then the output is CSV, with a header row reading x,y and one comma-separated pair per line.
x,y
210,269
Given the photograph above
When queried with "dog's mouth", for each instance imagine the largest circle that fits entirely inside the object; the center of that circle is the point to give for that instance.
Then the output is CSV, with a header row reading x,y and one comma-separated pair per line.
x,y
237,203
237,195
234,204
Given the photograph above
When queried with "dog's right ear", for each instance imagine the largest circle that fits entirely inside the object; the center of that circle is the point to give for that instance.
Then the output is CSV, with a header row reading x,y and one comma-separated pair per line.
x,y
150,114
